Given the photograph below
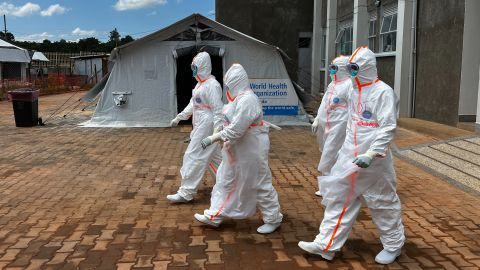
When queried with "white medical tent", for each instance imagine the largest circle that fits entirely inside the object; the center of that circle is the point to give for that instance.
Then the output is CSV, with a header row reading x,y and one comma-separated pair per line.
x,y
39,56
151,80
13,61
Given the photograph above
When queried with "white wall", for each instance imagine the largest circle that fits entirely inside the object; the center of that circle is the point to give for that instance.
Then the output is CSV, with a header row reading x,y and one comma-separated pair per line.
x,y
23,72
477,125
87,67
317,45
469,84
403,60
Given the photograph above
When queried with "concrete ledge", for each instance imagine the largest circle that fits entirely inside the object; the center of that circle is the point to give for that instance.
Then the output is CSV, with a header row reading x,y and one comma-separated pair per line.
x,y
440,131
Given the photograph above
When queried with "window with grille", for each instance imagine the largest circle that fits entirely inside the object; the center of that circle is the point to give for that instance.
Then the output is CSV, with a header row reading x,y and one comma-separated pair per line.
x,y
344,40
388,30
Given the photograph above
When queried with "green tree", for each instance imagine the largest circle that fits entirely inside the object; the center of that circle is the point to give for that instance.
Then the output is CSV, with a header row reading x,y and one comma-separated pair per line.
x,y
126,39
8,37
114,37
90,44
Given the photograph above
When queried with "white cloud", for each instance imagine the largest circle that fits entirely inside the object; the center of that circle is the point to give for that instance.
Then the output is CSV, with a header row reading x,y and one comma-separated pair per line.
x,y
19,11
38,37
153,13
53,9
122,5
83,33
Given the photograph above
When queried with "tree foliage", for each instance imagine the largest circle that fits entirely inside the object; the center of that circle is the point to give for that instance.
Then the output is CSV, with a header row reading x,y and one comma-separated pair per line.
x,y
89,44
8,37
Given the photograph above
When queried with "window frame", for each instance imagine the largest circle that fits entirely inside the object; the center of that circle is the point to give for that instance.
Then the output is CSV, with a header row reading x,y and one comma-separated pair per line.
x,y
344,40
384,33
323,56
372,36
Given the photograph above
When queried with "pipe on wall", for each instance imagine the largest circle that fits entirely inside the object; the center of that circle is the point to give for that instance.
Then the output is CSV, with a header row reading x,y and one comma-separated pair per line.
x,y
413,59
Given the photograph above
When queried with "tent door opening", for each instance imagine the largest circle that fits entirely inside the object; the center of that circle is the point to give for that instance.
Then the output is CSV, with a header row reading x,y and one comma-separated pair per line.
x,y
186,82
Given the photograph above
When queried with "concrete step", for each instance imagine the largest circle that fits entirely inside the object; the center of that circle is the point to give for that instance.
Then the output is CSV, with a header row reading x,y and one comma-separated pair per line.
x,y
457,161
436,130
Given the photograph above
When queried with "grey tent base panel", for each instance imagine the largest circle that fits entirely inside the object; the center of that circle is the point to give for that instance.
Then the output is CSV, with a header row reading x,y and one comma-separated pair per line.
x,y
124,124
277,120
92,94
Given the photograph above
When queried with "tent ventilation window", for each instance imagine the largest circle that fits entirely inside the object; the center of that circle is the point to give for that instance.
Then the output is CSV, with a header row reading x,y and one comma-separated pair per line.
x,y
199,32
120,98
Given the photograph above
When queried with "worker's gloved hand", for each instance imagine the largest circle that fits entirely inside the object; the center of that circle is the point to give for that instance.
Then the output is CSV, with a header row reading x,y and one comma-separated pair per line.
x,y
210,140
315,126
217,129
365,160
174,122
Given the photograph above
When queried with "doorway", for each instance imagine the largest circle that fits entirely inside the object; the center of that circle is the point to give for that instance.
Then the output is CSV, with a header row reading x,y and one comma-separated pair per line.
x,y
186,82
304,59
12,70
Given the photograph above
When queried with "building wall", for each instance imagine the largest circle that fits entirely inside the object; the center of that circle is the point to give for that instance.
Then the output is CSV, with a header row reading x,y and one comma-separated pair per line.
x,y
439,60
470,62
320,68
277,22
344,10
386,69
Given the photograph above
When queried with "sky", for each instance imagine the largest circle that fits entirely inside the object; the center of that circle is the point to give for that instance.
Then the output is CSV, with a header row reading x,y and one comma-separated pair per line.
x,y
36,20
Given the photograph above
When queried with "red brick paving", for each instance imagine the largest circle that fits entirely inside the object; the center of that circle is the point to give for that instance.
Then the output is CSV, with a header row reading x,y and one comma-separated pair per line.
x,y
73,197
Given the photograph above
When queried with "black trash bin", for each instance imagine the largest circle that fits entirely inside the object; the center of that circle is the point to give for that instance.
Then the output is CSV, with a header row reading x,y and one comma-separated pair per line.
x,y
25,107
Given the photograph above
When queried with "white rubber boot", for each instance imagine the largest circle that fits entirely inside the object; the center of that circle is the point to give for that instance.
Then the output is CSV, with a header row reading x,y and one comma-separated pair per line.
x,y
205,220
387,257
268,228
176,198
313,248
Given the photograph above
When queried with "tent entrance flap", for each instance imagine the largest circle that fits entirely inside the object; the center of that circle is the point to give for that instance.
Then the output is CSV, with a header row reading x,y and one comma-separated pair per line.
x,y
186,82
92,94
213,51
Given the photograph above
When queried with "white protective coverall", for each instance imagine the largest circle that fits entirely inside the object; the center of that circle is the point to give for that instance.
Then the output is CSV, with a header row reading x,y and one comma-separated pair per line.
x,y
267,197
332,116
205,108
235,192
370,129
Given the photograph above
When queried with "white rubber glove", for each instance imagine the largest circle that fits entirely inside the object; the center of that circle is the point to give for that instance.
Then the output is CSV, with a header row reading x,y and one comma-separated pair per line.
x,y
217,129
210,140
271,125
175,122
315,126
365,160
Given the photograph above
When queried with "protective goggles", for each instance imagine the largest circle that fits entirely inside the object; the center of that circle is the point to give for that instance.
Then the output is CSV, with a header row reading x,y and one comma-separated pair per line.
x,y
194,69
333,69
353,69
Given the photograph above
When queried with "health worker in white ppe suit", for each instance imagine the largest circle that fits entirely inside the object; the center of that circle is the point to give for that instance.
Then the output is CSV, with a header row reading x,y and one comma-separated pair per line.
x,y
238,187
205,108
370,130
331,121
